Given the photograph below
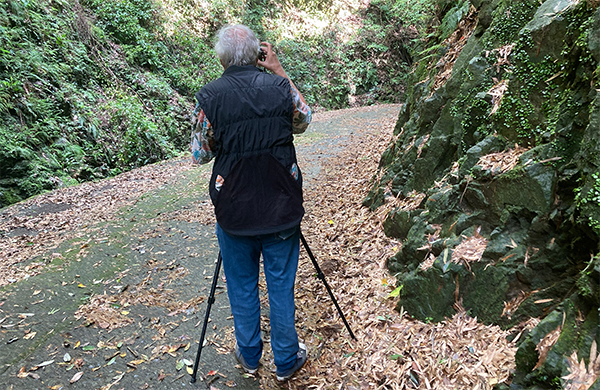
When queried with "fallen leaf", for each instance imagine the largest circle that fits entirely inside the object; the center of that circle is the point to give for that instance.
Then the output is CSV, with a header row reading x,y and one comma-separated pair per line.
x,y
190,370
81,285
76,377
46,363
396,292
29,336
23,373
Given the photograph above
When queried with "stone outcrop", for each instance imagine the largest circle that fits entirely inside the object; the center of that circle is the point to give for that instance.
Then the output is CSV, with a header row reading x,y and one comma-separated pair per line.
x,y
501,134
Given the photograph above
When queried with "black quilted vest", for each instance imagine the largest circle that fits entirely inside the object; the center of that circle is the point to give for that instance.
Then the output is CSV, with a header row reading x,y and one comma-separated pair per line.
x,y
251,115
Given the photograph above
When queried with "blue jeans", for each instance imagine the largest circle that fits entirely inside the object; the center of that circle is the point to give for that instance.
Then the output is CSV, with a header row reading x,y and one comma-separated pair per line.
x,y
241,262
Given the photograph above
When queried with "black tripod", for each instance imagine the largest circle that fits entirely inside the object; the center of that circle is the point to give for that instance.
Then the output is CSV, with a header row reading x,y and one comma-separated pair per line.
x,y
211,300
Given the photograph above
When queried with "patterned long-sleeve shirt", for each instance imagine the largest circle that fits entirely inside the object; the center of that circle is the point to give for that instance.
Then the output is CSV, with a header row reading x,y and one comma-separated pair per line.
x,y
202,132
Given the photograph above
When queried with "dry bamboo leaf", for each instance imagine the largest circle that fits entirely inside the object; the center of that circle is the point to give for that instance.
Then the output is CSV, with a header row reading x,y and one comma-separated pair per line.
x,y
456,42
469,250
579,377
503,161
424,266
497,93
545,345
76,377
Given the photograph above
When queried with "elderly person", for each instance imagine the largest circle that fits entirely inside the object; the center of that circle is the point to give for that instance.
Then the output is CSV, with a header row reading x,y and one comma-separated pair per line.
x,y
246,120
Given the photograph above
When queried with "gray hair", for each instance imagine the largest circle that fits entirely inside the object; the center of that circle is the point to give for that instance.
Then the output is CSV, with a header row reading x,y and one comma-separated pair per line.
x,y
237,45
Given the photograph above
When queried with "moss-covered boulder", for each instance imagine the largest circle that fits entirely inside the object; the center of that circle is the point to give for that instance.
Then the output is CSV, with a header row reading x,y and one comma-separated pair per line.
x,y
500,133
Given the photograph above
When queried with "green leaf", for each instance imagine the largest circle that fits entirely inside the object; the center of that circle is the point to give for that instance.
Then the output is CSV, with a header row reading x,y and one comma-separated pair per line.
x,y
445,261
89,348
396,292
445,268
381,318
395,356
180,365
111,361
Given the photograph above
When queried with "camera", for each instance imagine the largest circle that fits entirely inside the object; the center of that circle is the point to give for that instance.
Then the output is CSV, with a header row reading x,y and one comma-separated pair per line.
x,y
262,55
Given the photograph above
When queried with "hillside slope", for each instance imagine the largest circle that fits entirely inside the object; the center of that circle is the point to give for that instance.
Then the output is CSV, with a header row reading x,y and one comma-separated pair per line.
x,y
493,180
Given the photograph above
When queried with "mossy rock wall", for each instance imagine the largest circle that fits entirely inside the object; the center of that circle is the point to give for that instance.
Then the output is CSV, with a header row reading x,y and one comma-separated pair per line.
x,y
505,148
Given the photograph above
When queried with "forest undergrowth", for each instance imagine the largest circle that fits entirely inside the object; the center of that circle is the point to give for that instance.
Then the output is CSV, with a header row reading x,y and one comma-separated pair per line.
x,y
90,89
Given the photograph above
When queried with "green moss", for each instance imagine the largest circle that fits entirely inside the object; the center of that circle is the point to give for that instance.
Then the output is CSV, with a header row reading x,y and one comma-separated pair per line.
x,y
428,295
486,292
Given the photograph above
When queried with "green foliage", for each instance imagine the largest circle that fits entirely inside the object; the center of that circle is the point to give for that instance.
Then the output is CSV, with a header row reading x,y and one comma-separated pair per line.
x,y
587,200
141,142
540,93
474,119
8,88
55,69
517,115
132,23
509,18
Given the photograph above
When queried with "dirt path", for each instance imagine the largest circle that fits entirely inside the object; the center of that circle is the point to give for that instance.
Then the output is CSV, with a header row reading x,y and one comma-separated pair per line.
x,y
105,283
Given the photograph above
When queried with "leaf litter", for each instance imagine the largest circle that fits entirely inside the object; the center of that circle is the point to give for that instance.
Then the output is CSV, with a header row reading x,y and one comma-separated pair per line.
x,y
393,351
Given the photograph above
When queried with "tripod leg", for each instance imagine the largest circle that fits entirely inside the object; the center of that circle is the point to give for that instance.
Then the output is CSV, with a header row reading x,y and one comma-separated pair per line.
x,y
211,300
321,276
